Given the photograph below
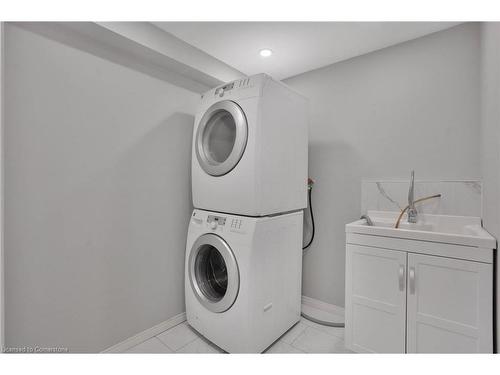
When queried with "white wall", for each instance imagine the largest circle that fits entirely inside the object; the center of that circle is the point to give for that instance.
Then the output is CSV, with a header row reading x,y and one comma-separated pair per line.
x,y
410,106
490,133
2,322
97,196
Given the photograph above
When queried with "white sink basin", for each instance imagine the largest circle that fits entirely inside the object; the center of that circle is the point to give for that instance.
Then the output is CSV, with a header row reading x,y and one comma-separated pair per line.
x,y
459,230
405,225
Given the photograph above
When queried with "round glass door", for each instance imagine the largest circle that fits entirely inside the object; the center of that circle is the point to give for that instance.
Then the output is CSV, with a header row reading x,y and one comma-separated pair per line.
x,y
213,273
221,138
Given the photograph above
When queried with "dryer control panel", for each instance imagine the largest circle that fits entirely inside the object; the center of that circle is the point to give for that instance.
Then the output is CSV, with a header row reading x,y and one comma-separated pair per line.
x,y
245,87
219,91
241,83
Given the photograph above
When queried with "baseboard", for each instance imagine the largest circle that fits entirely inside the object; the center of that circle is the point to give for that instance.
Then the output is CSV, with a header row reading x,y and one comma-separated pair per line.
x,y
146,334
320,305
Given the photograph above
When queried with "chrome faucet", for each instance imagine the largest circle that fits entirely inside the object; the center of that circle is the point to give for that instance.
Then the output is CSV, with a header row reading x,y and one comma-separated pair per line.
x,y
412,211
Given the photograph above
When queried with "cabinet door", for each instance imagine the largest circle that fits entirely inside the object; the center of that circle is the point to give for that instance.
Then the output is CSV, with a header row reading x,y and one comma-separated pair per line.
x,y
375,299
449,305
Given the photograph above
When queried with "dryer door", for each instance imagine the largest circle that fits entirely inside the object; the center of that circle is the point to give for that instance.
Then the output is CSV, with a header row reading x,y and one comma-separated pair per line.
x,y
213,273
221,138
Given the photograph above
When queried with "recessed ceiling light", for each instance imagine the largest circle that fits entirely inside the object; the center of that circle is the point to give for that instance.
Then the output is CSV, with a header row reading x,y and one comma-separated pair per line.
x,y
265,52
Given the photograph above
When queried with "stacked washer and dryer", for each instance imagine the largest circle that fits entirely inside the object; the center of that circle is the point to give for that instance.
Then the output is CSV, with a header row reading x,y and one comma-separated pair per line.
x,y
249,183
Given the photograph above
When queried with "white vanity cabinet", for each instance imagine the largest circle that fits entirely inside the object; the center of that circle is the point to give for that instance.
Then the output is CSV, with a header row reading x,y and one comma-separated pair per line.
x,y
375,310
409,296
449,305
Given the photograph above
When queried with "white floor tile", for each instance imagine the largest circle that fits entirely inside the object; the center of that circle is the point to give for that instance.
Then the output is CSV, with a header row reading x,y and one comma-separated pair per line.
x,y
280,347
293,333
335,331
322,314
315,341
305,336
178,336
200,345
153,345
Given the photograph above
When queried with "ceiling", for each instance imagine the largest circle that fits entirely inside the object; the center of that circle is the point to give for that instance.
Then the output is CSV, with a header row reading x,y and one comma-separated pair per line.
x,y
297,47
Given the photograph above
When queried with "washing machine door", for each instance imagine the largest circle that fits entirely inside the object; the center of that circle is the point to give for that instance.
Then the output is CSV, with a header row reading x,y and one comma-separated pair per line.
x,y
213,273
221,138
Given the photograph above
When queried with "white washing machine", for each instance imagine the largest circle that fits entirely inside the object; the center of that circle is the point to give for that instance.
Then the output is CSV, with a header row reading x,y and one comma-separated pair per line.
x,y
243,278
250,145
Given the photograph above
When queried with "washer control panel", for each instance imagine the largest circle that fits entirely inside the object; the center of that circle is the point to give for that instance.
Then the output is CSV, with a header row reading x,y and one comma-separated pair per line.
x,y
218,223
236,223
216,220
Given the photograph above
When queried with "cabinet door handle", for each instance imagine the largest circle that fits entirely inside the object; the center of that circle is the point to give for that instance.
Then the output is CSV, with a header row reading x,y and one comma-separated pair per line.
x,y
412,280
401,278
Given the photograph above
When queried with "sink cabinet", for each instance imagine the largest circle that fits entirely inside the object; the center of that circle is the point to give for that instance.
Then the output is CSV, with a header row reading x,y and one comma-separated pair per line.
x,y
402,301
449,305
375,300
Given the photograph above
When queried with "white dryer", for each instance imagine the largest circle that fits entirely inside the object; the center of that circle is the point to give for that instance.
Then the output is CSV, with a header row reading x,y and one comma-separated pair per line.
x,y
249,153
243,278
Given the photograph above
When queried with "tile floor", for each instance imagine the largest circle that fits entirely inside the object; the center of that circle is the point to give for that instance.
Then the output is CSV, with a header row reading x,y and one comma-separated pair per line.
x,y
304,337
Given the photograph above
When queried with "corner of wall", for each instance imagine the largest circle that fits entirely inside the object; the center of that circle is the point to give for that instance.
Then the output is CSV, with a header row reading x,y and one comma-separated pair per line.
x,y
490,138
2,317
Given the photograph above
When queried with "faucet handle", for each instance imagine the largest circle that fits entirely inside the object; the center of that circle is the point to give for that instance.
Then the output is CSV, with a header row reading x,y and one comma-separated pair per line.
x,y
411,189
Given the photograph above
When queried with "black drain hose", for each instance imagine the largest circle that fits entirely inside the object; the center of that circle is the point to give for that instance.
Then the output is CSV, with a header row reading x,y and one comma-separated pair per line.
x,y
309,193
310,184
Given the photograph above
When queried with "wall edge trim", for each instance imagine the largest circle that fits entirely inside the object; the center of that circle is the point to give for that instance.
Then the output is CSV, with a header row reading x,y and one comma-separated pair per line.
x,y
140,337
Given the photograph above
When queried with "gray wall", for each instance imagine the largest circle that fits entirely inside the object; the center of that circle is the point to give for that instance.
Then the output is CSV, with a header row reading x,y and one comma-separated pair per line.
x,y
411,106
97,196
490,133
1,191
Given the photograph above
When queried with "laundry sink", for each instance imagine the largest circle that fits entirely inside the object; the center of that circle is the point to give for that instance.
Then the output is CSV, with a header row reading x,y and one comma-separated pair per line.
x,y
405,225
429,283
459,230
